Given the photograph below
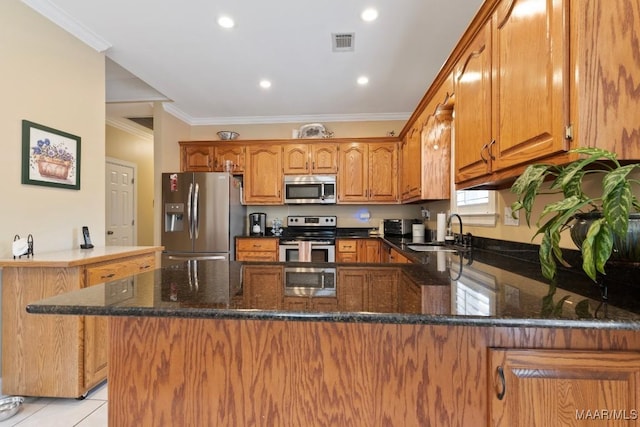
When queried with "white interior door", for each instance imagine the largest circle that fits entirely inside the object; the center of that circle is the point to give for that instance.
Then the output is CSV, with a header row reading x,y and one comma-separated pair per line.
x,y
120,203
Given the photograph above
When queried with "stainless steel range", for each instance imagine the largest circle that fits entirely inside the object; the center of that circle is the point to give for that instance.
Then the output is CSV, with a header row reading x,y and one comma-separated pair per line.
x,y
318,231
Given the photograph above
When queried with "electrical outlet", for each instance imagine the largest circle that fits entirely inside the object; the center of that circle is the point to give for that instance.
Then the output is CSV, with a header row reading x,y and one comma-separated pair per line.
x,y
509,219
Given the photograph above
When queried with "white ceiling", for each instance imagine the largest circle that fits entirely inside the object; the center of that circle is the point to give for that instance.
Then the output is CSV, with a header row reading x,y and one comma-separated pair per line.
x,y
174,50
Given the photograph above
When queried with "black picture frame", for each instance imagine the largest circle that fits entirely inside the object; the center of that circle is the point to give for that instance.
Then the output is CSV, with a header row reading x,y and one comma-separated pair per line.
x,y
50,157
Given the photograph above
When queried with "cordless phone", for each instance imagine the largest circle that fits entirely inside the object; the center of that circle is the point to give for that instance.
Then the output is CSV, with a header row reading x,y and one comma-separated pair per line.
x,y
87,238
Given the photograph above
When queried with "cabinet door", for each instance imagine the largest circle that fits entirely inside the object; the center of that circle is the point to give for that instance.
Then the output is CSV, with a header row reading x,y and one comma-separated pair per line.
x,y
411,173
295,159
369,250
353,175
529,50
197,158
563,387
233,153
472,80
262,287
383,291
352,290
324,158
436,143
95,327
383,172
263,175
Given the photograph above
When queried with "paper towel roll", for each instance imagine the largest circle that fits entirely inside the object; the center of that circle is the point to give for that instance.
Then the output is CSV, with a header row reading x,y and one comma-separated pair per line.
x,y
441,261
441,228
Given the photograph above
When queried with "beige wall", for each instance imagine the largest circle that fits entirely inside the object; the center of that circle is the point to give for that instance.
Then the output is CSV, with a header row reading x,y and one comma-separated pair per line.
x,y
136,149
51,78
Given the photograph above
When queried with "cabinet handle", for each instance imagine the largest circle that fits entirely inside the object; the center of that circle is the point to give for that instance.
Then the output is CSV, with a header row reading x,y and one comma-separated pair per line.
x,y
484,147
107,276
501,394
144,267
306,165
491,144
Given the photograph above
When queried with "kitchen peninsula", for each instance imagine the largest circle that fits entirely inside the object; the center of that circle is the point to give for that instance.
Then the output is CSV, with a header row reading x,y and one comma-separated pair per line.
x,y
385,344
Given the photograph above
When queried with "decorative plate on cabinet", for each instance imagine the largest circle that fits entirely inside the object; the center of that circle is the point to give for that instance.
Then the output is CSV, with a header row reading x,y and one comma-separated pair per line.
x,y
313,130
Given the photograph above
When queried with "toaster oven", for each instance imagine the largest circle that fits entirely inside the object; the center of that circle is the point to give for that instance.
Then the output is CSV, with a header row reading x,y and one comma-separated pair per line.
x,y
399,227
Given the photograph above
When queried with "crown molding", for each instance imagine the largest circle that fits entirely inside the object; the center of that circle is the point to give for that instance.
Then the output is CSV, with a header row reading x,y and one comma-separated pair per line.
x,y
130,127
66,22
252,120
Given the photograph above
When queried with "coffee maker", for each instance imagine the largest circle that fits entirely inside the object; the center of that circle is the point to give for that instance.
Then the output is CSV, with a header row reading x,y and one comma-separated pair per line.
x,y
257,224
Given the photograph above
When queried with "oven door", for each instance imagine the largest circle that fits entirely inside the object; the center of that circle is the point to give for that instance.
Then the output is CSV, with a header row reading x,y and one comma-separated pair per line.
x,y
320,252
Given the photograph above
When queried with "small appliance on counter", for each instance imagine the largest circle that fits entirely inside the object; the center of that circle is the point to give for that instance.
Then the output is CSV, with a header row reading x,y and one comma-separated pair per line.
x,y
399,227
257,224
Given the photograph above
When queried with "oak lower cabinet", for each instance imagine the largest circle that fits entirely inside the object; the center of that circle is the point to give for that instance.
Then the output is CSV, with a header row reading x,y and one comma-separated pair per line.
x,y
358,250
372,289
304,159
53,355
257,248
367,172
263,286
263,175
395,256
532,387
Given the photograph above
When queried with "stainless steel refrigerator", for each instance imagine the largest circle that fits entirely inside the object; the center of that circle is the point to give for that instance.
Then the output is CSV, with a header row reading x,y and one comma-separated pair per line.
x,y
201,215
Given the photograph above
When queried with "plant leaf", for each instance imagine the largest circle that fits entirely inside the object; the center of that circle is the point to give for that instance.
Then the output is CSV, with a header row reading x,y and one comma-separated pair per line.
x,y
545,253
617,199
596,248
583,310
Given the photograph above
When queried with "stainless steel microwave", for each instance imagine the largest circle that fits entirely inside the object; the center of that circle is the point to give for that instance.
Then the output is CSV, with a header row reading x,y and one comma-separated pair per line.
x,y
309,189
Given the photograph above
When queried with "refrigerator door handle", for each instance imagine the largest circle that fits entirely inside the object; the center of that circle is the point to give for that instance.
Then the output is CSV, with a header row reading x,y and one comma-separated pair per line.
x,y
189,211
196,218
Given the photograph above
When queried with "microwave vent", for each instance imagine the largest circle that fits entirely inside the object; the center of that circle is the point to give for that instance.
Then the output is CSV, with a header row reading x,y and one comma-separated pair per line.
x,y
343,42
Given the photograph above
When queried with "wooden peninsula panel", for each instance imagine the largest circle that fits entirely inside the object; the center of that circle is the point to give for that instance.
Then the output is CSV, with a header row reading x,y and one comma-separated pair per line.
x,y
59,356
194,371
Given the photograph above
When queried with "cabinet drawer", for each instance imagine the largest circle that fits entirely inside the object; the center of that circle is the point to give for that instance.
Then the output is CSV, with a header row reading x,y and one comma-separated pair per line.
x,y
116,270
257,245
257,256
347,245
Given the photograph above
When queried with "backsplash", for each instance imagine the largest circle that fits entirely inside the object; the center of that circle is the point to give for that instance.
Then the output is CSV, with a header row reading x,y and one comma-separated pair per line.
x,y
349,216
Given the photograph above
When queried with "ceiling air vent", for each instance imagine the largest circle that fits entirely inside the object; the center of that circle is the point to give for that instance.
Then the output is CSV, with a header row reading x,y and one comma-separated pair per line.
x,y
342,42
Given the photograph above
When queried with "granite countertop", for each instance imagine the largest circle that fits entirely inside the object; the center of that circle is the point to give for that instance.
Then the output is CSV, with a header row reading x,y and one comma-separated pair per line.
x,y
75,257
483,287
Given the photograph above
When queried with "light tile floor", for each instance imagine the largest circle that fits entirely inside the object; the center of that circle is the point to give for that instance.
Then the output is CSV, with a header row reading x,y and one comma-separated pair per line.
x,y
56,412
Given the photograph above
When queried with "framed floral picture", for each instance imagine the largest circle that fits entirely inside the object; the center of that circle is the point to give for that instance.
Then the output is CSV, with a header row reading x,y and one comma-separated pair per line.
x,y
50,157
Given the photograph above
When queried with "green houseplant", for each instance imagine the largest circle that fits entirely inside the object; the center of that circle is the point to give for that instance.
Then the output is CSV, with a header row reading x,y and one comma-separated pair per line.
x,y
601,225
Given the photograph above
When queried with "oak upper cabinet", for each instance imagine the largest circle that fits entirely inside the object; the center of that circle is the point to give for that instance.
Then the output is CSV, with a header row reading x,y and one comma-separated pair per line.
x,y
197,157
436,155
368,172
303,159
229,152
411,172
472,79
563,387
510,107
263,174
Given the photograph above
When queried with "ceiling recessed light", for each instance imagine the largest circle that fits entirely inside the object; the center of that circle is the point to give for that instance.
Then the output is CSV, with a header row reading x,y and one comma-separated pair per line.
x,y
369,15
226,22
265,84
363,80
